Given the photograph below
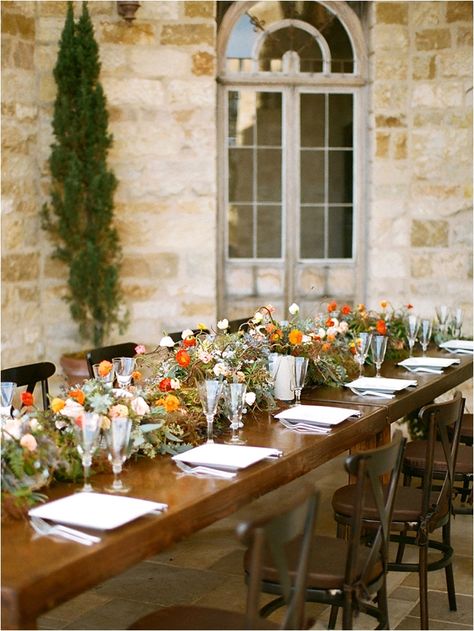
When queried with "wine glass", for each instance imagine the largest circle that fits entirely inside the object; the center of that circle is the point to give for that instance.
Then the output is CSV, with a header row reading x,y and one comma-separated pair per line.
x,y
426,328
362,345
118,442
234,397
378,347
124,367
210,391
87,428
107,378
442,313
8,390
300,366
412,325
457,322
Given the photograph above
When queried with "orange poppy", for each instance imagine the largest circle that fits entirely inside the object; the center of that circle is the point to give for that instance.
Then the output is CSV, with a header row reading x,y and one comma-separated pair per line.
x,y
78,395
332,306
183,358
346,310
381,327
27,398
295,337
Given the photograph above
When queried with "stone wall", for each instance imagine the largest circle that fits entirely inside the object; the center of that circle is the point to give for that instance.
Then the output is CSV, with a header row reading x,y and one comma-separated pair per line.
x,y
420,175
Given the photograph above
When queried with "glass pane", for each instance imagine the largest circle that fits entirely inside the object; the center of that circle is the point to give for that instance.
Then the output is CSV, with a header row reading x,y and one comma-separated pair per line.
x,y
269,175
242,39
241,118
269,232
312,176
340,232
312,232
293,38
340,120
241,169
340,176
312,108
269,118
240,231
340,46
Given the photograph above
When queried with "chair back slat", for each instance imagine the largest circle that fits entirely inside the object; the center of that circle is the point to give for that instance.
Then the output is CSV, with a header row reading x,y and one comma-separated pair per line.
x,y
272,532
97,355
29,375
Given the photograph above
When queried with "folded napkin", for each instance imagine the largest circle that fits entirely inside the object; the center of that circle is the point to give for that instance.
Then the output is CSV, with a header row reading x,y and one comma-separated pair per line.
x,y
6,410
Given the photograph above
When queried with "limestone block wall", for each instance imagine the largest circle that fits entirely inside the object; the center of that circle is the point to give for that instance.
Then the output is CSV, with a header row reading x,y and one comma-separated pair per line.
x,y
420,169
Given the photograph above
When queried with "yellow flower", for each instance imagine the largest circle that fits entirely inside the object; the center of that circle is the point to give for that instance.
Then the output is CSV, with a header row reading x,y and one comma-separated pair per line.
x,y
170,403
57,404
201,326
384,304
295,337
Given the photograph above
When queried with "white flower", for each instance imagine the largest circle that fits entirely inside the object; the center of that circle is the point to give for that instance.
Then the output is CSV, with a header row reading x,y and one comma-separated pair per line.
x,y
294,309
306,339
72,409
333,330
204,356
223,324
258,317
140,406
221,370
321,333
187,333
343,327
250,398
175,384
166,341
13,429
335,321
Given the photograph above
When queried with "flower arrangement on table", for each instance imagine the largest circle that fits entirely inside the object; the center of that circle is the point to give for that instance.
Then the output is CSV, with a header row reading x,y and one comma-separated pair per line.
x,y
176,367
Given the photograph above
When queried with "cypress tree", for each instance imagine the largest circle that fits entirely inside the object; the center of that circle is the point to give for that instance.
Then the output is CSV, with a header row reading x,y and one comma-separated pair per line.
x,y
79,216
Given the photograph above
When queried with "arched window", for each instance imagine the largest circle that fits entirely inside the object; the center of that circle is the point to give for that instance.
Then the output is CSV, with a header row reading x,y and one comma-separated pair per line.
x,y
291,77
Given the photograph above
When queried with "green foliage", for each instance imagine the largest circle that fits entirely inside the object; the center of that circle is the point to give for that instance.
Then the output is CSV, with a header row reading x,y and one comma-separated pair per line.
x,y
79,217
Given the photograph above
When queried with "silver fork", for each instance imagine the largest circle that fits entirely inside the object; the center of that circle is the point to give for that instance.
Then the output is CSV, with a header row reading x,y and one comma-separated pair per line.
x,y
201,470
372,393
305,428
43,528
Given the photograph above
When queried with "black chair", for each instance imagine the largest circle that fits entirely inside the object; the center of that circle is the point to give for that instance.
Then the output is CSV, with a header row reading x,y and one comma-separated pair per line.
x,y
97,355
420,511
29,375
239,325
348,574
271,531
176,335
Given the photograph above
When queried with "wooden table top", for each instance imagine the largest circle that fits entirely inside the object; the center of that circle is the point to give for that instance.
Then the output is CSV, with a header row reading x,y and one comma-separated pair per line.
x,y
40,573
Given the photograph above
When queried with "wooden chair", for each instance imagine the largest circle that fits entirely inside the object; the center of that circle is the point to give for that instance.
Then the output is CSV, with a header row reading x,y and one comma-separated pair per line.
x,y
29,375
420,511
271,531
347,574
97,355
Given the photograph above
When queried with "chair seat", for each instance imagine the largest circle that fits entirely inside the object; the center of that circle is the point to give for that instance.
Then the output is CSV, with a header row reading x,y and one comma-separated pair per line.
x,y
406,508
327,563
197,618
415,457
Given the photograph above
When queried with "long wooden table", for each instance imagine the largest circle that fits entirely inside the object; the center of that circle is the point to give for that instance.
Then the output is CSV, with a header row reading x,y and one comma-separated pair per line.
x,y
40,573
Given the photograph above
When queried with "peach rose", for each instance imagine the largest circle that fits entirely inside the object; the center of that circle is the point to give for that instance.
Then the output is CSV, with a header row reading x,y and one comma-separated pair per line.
x,y
28,441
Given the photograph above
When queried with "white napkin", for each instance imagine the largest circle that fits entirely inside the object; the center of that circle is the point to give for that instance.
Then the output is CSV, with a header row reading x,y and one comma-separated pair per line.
x,y
6,410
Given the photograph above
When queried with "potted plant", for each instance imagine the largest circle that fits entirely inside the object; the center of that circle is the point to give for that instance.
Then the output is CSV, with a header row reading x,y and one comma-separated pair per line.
x,y
79,216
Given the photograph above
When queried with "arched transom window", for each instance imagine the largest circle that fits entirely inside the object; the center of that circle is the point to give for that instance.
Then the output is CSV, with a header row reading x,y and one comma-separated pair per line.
x,y
291,77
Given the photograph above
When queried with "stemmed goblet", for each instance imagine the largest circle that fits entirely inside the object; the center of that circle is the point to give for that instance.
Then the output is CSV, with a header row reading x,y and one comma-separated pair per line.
x,y
8,390
457,323
426,328
413,324
234,397
378,347
300,366
362,346
118,442
87,427
210,391
442,313
124,367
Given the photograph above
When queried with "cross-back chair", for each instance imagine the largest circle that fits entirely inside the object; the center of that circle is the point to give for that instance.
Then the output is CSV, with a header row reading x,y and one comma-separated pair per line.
x,y
419,512
348,574
29,375
241,324
97,355
270,531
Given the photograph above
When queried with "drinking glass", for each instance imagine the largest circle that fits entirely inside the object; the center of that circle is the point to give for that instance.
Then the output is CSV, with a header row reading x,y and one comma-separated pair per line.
x,y
87,428
108,378
412,324
124,367
210,391
234,397
8,390
378,347
457,322
362,345
426,328
300,366
118,443
442,313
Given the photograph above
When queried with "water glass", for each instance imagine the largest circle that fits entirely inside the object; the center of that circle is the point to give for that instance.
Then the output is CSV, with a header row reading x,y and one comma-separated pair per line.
x,y
210,391
107,378
8,390
378,347
362,346
442,313
456,323
118,445
300,366
412,326
426,328
234,398
124,367
87,427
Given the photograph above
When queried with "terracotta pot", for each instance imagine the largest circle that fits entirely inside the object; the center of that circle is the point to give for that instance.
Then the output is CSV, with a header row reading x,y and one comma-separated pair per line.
x,y
75,368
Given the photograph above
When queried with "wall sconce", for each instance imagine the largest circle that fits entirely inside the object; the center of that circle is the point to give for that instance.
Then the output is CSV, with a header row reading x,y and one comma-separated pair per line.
x,y
127,9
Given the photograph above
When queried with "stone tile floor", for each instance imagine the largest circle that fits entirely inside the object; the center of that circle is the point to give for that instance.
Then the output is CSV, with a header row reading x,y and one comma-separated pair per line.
x,y
206,569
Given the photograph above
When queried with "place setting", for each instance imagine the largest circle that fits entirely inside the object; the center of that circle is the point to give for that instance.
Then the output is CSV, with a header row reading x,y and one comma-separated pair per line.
x,y
314,419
